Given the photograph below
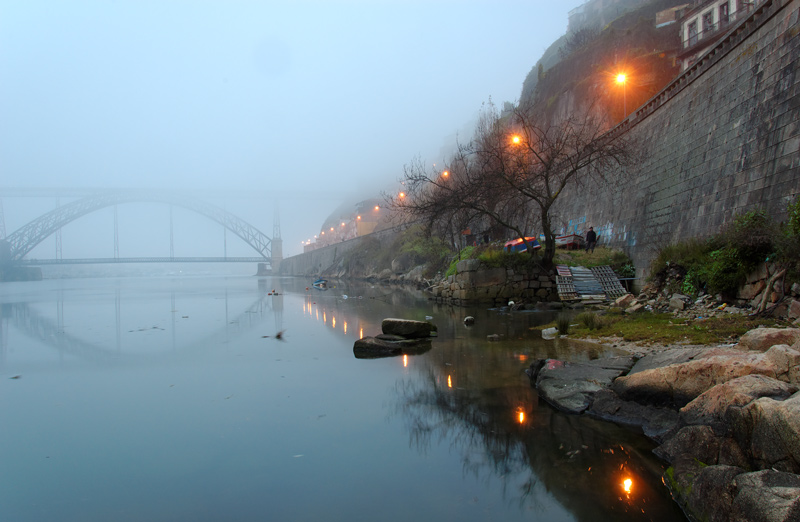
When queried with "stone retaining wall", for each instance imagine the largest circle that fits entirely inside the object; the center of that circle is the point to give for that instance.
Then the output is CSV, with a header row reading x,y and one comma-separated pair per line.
x,y
723,138
473,283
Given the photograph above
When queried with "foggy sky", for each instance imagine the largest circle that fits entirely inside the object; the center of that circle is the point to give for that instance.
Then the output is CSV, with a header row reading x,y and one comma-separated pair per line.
x,y
256,103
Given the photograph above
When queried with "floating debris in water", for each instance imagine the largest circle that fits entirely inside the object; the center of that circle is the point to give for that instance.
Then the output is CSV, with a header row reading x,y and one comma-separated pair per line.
x,y
16,377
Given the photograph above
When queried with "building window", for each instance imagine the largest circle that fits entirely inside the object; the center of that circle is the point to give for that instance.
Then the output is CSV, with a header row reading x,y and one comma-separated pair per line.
x,y
724,13
691,29
708,22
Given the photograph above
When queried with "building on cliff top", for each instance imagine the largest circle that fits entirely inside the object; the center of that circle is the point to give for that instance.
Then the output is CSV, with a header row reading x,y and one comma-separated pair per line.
x,y
706,22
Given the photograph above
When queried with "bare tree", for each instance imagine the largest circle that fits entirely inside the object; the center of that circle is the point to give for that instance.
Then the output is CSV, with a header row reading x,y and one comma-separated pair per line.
x,y
513,171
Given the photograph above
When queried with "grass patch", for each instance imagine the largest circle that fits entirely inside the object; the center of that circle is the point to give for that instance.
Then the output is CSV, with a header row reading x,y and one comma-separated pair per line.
x,y
602,256
647,328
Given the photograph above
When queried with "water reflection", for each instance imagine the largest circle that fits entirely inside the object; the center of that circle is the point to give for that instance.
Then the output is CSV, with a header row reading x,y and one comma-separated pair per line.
x,y
503,432
467,400
55,330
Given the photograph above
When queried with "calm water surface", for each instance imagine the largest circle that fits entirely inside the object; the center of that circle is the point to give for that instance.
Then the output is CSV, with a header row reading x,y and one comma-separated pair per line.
x,y
170,399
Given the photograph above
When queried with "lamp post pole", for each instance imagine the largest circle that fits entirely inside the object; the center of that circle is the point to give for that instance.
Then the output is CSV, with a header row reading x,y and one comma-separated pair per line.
x,y
622,79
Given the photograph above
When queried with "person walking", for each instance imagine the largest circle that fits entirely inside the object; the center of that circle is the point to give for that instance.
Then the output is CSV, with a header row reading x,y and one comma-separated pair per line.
x,y
591,239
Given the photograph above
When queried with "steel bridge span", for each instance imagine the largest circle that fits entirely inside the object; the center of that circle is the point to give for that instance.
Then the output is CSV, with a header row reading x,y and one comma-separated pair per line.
x,y
20,242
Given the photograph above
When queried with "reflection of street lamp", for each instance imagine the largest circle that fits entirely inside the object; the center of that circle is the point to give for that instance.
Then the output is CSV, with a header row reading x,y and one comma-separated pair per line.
x,y
622,80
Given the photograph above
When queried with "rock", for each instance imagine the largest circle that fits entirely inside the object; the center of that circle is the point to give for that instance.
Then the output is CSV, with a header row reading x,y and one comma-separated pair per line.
x,y
751,290
468,265
666,358
624,301
795,289
372,347
766,495
711,496
570,386
700,443
656,423
390,337
711,407
676,303
469,320
408,328
761,339
634,308
793,311
679,384
786,361
770,431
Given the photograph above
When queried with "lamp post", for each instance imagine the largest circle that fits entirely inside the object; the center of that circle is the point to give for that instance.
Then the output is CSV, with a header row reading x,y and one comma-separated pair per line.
x,y
622,80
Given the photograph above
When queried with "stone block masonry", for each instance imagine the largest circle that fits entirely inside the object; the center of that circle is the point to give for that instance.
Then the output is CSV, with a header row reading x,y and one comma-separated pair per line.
x,y
475,284
722,139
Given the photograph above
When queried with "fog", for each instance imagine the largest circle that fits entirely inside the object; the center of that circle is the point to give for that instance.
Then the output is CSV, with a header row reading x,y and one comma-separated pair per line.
x,y
250,105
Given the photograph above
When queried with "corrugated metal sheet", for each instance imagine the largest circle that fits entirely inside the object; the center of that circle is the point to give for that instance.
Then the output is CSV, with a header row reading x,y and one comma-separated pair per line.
x,y
595,284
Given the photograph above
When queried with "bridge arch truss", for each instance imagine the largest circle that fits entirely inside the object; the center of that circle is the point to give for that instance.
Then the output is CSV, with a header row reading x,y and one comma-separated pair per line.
x,y
25,239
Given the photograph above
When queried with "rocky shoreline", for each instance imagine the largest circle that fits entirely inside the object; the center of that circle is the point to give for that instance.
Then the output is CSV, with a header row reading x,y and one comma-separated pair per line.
x,y
727,418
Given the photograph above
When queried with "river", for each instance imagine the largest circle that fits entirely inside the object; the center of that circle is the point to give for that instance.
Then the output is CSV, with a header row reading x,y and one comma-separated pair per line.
x,y
170,398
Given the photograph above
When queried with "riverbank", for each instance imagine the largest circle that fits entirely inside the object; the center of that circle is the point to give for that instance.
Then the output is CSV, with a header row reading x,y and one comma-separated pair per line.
x,y
727,416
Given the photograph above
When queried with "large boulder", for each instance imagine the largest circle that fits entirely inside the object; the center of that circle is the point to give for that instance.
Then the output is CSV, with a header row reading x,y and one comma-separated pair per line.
x,y
766,495
656,423
710,408
769,431
678,384
668,357
701,444
571,386
761,339
704,491
408,328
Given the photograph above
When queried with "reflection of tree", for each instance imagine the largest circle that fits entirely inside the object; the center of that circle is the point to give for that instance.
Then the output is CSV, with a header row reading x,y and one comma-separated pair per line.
x,y
432,410
577,460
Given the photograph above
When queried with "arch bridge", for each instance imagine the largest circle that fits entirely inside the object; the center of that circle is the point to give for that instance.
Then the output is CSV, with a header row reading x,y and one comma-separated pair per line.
x,y
23,240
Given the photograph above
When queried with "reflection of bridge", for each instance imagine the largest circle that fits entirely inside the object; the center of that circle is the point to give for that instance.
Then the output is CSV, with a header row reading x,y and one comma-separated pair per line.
x,y
52,333
16,245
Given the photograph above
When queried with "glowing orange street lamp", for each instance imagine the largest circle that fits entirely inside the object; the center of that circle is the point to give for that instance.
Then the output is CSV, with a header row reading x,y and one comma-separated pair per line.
x,y
402,195
622,80
445,173
377,207
515,139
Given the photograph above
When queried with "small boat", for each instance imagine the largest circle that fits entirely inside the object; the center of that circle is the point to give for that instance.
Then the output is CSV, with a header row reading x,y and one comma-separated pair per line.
x,y
518,245
570,242
320,284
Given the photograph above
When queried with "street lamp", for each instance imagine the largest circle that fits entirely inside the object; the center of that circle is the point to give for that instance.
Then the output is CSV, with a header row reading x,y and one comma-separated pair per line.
x,y
622,80
515,139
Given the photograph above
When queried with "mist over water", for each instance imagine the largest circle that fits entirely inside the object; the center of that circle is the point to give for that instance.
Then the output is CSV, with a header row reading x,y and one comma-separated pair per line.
x,y
170,397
